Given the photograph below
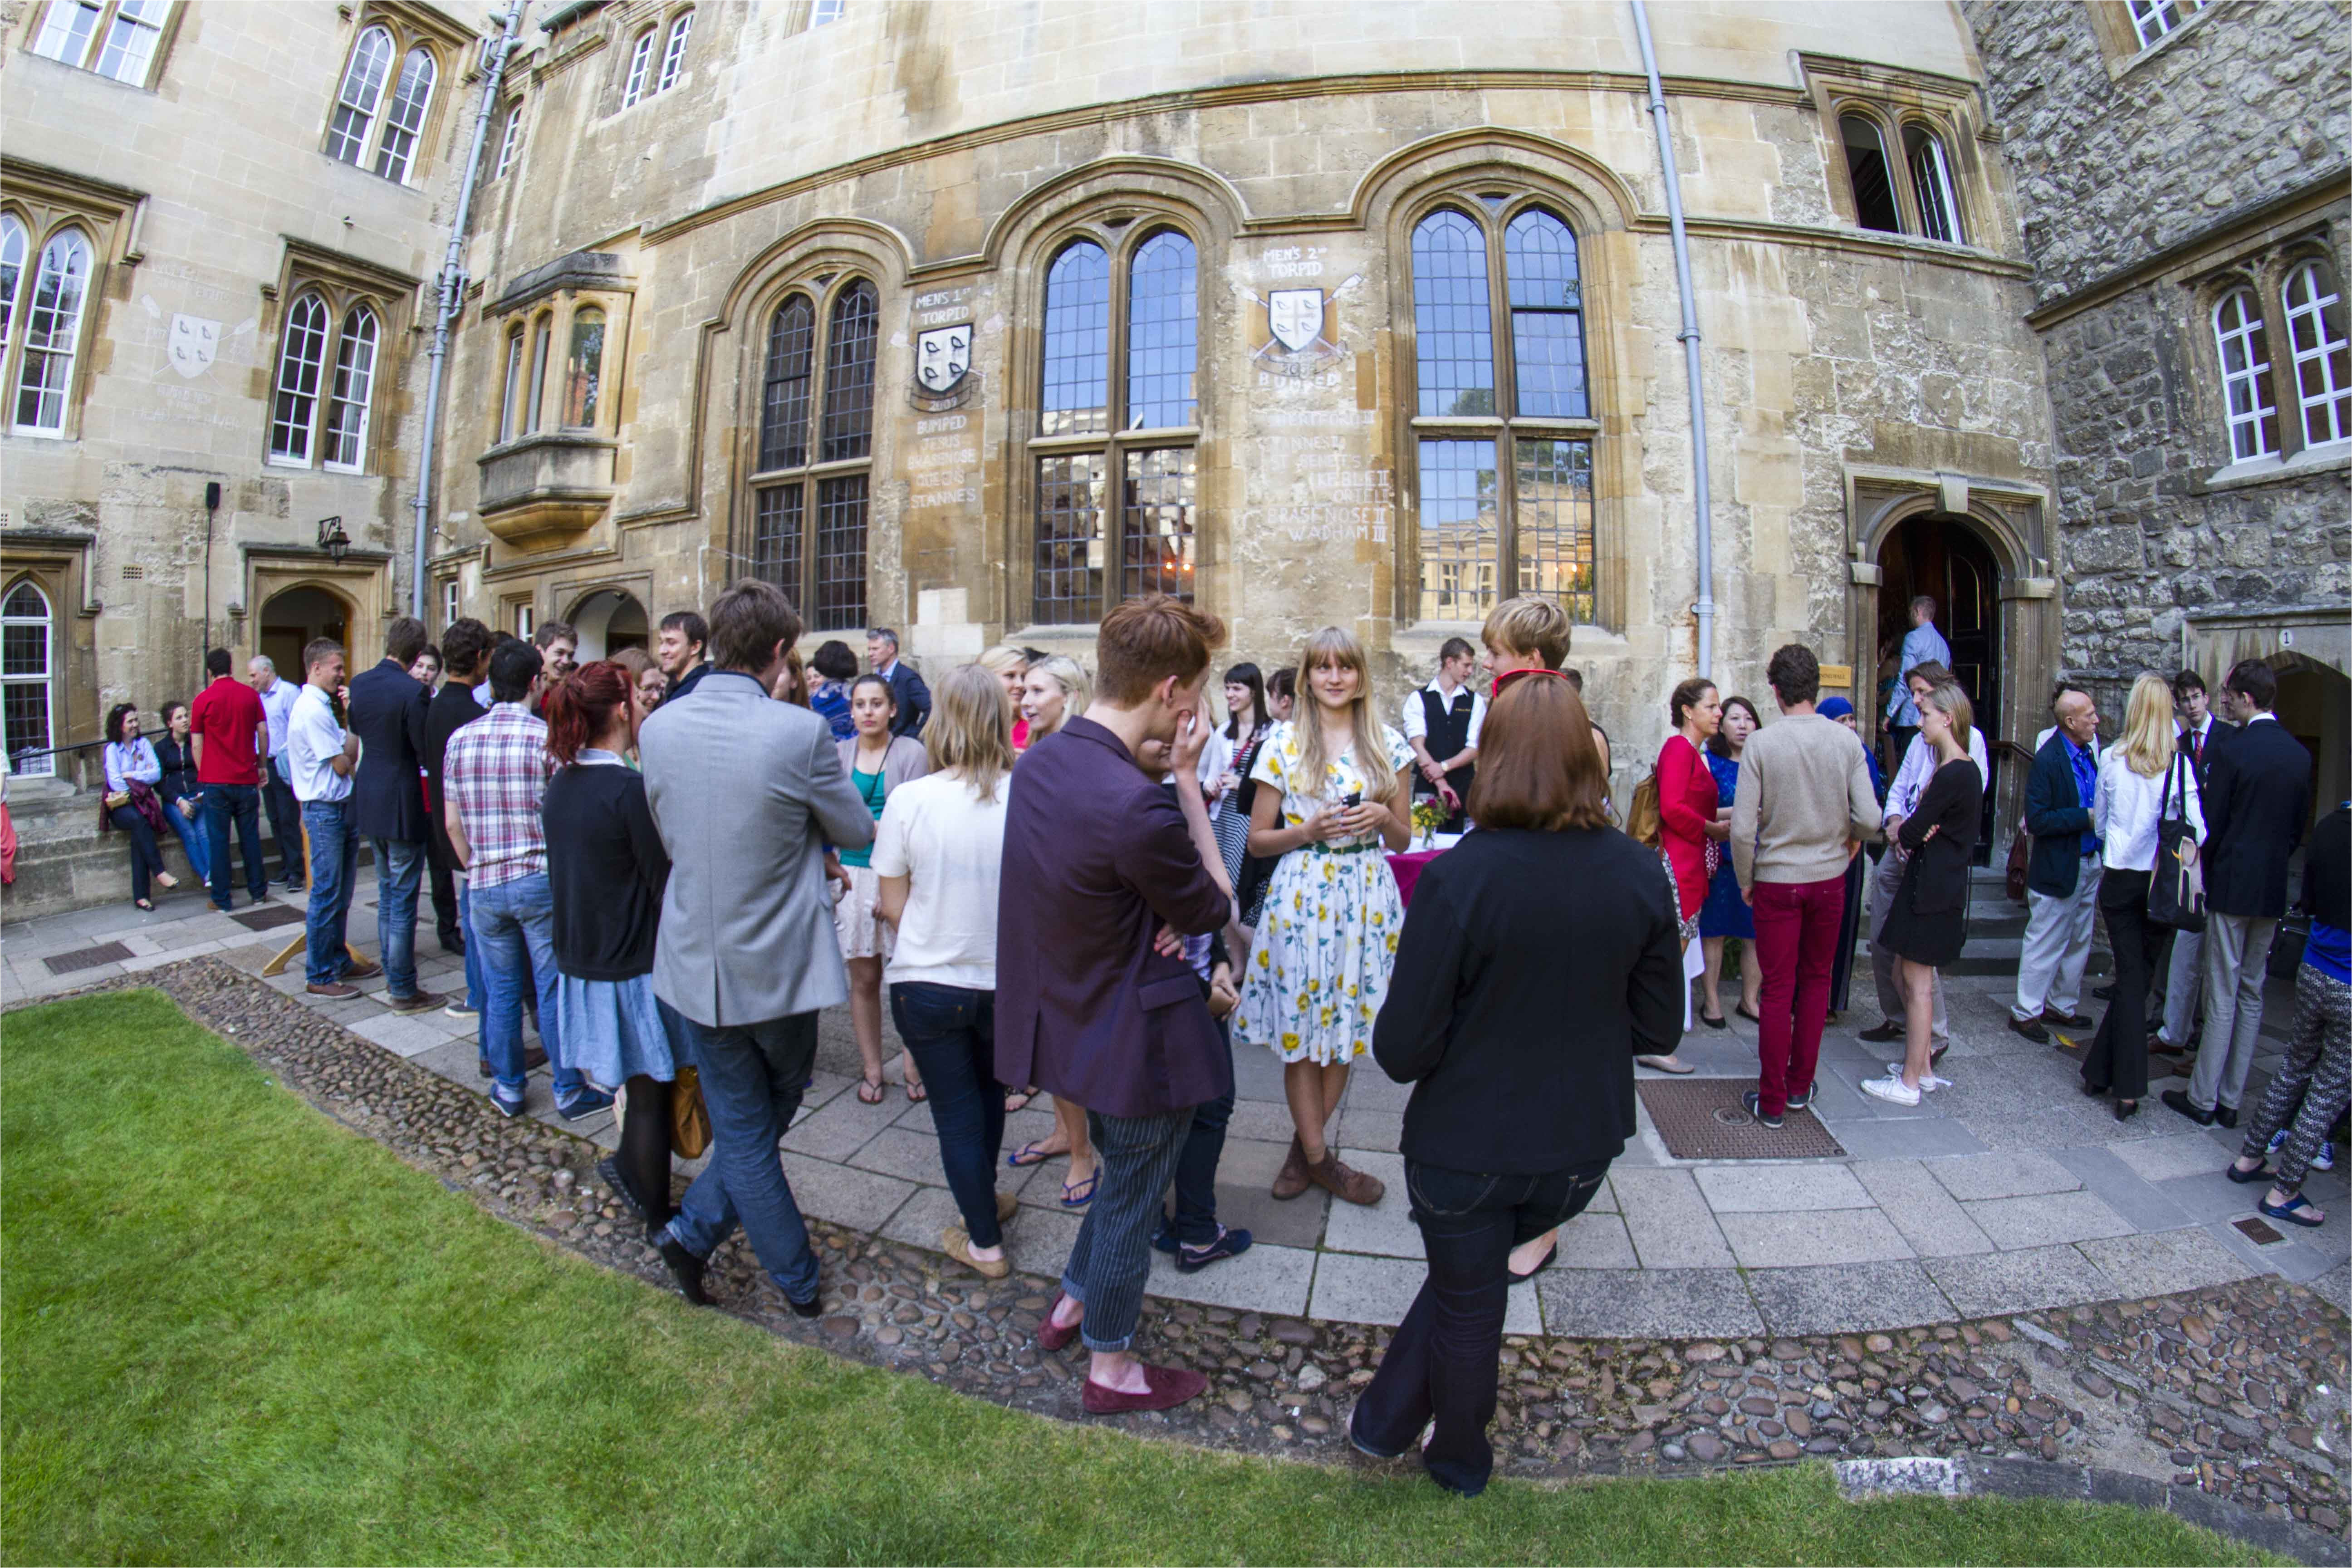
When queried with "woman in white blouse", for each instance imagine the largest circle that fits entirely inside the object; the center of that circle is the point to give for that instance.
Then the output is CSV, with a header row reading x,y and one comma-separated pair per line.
x,y
2142,780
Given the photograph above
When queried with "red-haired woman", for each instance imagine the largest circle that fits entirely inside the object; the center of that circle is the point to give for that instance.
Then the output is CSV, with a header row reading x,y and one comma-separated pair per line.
x,y
606,868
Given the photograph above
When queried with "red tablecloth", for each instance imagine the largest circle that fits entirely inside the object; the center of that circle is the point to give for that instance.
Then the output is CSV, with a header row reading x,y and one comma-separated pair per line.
x,y
1407,866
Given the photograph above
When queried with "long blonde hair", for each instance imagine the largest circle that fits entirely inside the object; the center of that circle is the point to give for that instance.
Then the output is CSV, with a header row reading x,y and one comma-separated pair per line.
x,y
967,735
1001,658
1333,646
1948,699
2149,740
1078,688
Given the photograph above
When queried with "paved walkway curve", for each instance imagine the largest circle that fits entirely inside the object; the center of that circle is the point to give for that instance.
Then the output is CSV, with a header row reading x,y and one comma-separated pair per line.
x,y
2009,1191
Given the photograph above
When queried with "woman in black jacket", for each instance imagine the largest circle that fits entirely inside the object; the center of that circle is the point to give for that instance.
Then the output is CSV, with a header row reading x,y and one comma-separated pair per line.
x,y
1927,923
182,797
1516,1015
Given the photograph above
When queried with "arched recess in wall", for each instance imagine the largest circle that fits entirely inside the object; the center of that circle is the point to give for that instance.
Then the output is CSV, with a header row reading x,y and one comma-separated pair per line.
x,y
1112,535
1504,175
608,620
295,616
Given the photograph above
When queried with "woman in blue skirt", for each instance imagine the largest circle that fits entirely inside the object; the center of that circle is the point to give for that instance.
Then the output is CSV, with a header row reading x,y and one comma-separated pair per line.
x,y
1726,916
607,868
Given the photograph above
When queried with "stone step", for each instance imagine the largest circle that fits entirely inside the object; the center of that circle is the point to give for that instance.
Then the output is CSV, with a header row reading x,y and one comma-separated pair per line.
x,y
64,863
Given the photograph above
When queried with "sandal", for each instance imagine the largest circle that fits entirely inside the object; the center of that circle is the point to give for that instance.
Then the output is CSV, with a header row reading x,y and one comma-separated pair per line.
x,y
2291,1211
870,1091
1030,1154
147,904
1074,1199
916,1091
1019,1098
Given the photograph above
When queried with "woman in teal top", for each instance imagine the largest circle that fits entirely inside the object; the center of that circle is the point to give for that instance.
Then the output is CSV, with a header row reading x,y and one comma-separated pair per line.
x,y
877,763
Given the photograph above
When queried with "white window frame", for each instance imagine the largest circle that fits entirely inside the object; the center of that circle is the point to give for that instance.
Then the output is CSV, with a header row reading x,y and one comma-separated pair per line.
x,y
2156,20
510,398
404,115
449,603
16,249
673,50
353,387
40,767
542,334
526,620
824,12
641,55
1931,182
61,348
2253,373
2332,405
302,350
509,140
347,141
104,36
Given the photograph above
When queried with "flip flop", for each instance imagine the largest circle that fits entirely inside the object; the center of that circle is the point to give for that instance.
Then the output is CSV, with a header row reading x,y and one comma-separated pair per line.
x,y
870,1091
147,904
917,1092
1029,1155
2290,1211
1079,1201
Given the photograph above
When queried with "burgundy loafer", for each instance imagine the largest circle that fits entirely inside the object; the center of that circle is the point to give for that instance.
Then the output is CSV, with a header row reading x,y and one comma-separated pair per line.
x,y
1051,1336
1168,1387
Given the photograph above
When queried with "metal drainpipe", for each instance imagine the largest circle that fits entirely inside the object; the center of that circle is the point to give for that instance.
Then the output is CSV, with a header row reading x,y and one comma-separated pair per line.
x,y
1690,339
453,299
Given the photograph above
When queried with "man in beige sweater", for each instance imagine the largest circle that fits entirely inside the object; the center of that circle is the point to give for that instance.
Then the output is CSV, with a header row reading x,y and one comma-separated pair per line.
x,y
1802,808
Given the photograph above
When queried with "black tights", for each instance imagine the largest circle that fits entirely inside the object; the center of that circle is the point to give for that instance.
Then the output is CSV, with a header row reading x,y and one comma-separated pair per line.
x,y
644,1147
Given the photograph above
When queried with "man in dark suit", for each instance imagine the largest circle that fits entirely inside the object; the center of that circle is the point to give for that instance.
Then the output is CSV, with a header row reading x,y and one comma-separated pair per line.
x,y
465,657
907,687
2202,733
1092,1000
387,713
2061,880
2257,802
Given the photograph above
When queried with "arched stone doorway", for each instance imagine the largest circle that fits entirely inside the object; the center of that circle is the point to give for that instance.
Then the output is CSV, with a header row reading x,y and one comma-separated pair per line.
x,y
2315,703
293,618
1947,559
608,621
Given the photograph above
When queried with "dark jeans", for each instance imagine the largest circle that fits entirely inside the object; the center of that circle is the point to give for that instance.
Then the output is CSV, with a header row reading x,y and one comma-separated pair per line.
x,y
243,802
285,821
2117,1058
1194,1222
1442,1360
399,867
447,922
753,1076
1112,1256
334,872
146,859
952,1032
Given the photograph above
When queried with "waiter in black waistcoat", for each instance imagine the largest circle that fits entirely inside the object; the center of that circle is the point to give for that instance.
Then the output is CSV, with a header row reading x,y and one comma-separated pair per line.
x,y
1442,721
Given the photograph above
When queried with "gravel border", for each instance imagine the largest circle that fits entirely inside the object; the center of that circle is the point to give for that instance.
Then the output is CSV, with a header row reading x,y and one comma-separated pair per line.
x,y
2224,1405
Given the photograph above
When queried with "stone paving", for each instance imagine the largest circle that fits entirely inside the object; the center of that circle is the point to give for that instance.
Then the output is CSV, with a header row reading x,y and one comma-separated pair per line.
x,y
2008,1191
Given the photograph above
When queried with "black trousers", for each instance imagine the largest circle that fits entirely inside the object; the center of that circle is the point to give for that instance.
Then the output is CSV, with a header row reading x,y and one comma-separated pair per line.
x,y
146,860
441,871
1442,1360
2118,1059
284,823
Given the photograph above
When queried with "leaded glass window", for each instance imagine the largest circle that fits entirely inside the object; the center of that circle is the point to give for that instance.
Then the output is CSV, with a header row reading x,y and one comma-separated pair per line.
x,y
355,105
12,272
347,409
2251,411
584,368
848,427
1163,307
405,119
1931,182
2323,362
811,485
53,335
1077,342
24,689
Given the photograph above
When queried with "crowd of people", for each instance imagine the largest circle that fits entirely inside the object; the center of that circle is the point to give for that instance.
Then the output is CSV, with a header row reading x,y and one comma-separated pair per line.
x,y
1097,885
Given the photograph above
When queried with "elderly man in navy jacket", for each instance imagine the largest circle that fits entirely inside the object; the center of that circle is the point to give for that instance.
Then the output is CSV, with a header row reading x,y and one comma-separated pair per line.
x,y
1101,871
2062,881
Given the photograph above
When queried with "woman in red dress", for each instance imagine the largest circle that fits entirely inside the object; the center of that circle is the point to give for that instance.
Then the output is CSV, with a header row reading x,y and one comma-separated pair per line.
x,y
1687,817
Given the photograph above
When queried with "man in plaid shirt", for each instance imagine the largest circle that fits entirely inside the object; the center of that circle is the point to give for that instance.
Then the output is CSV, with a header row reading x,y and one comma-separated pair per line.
x,y
493,777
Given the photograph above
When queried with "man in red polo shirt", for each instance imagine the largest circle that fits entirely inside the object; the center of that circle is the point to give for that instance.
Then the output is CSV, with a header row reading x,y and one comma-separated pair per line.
x,y
231,735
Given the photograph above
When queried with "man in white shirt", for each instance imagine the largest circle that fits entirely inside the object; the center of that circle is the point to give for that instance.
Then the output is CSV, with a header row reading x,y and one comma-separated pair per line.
x,y
1902,800
1442,721
276,794
320,757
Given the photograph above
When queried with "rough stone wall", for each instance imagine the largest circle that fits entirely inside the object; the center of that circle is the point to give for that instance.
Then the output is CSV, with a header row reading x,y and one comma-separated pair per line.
x,y
2241,105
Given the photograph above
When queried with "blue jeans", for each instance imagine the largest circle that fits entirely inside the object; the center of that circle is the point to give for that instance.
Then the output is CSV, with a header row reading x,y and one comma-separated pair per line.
x,y
191,832
334,871
1112,1256
515,922
399,872
242,802
1442,1360
951,1031
1195,1220
475,989
753,1076
145,858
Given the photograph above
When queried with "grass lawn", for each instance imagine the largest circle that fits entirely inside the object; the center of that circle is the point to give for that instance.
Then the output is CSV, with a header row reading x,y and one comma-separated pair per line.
x,y
232,1331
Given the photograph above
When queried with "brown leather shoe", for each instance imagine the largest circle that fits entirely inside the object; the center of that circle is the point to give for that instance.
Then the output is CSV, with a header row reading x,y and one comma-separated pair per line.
x,y
1345,1181
422,1002
333,990
1007,1205
363,969
1291,1180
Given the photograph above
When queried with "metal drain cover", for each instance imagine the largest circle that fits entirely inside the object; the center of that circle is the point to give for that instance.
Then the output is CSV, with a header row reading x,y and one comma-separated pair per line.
x,y
87,957
1702,1118
269,917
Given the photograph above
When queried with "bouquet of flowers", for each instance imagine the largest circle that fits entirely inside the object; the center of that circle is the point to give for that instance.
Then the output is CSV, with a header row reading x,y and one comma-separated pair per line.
x,y
1429,813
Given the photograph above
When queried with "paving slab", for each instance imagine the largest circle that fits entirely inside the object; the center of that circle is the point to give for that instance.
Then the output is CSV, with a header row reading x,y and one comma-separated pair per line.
x,y
2004,1176
2175,1155
1244,1197
1351,1289
1853,1298
1930,1219
863,1200
838,1129
1384,1228
402,1035
2161,1264
1596,1240
1647,1303
2115,1184
1669,1221
1808,1239
2044,1219
1265,1279
1995,1283
1755,1188
1923,1138
895,1151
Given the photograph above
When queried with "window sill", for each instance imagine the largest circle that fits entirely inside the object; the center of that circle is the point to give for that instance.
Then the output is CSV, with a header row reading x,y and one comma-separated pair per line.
x,y
2333,458
300,465
35,431
2119,69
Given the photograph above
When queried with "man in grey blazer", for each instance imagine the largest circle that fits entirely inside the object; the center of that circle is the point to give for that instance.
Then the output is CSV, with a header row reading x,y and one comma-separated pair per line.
x,y
746,793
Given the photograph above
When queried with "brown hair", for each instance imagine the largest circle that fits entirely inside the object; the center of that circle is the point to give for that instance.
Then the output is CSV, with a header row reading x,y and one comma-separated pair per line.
x,y
1794,674
1524,626
1539,766
1948,700
1686,697
748,621
636,660
1145,641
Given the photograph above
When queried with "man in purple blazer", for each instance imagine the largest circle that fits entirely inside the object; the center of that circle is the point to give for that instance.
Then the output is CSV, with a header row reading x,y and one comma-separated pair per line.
x,y
1094,1001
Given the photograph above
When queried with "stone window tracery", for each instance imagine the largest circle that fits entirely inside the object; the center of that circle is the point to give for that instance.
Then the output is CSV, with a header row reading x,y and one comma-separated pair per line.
x,y
1118,405
1502,427
384,102
26,696
115,39
2244,349
811,485
2323,359
52,334
318,333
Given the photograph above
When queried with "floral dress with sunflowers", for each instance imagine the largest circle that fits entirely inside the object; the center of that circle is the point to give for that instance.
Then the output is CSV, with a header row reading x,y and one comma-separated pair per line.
x,y
1327,939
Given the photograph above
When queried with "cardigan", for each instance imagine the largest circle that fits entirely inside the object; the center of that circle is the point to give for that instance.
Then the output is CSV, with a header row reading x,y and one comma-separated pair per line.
x,y
1953,801
1686,806
1516,1013
606,868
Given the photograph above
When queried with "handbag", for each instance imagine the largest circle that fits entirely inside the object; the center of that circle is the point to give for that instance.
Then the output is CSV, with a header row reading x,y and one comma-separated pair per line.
x,y
690,1118
2021,854
2176,889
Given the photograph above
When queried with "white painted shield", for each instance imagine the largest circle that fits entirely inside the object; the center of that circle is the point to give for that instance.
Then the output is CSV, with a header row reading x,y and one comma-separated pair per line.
x,y
942,355
1296,317
192,343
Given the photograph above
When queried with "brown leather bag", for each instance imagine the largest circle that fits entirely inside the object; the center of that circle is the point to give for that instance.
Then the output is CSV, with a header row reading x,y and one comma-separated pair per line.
x,y
689,1119
2020,850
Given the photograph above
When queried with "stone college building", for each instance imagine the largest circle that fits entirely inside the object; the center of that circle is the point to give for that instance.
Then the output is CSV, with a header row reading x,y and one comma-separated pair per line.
x,y
973,319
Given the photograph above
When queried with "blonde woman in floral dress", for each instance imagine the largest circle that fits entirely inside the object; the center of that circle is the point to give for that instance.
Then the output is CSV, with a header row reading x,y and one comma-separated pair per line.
x,y
1338,796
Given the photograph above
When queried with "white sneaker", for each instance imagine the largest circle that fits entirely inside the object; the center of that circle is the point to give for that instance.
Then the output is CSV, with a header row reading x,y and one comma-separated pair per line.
x,y
1895,1069
1891,1087
2325,1159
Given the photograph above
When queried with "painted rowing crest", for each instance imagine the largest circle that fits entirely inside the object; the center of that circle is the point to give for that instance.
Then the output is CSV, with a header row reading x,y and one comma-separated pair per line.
x,y
943,358
192,343
1295,316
